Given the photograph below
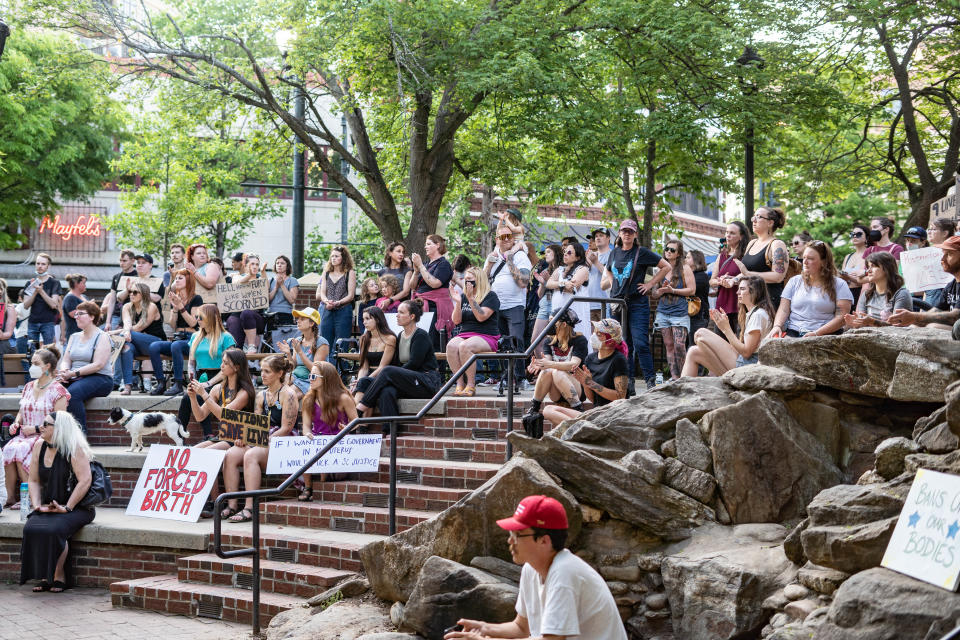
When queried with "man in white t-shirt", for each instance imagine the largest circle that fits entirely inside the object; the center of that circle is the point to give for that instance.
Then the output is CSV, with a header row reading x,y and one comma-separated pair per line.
x,y
598,264
561,596
509,271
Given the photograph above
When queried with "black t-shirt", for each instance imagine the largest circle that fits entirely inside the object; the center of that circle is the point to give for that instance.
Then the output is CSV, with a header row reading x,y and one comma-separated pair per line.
x,y
70,302
115,287
627,276
577,348
195,301
40,311
469,323
439,268
155,328
951,297
605,372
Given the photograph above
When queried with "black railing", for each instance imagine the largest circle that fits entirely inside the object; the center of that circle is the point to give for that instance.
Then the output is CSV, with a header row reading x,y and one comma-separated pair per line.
x,y
259,494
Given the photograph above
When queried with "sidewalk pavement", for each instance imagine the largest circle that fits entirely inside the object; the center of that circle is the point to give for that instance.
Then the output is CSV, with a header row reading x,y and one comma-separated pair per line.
x,y
82,613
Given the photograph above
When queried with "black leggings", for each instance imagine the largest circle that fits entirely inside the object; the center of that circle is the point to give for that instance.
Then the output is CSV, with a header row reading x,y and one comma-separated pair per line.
x,y
394,383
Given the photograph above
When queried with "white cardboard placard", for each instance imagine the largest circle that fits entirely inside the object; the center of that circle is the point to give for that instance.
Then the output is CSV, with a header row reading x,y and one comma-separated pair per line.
x,y
922,270
350,455
175,482
926,541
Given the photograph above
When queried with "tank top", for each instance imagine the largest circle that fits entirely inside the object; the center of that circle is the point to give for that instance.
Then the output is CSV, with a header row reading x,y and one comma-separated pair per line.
x,y
671,304
336,290
727,296
320,426
53,479
757,262
81,353
155,328
274,411
373,358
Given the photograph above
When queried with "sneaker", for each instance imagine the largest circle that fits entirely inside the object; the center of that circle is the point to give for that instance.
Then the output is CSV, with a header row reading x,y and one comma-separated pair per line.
x,y
249,348
489,382
526,385
651,383
158,388
175,389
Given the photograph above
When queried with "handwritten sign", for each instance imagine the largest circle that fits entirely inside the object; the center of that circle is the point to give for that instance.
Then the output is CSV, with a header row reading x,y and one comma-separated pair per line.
x,y
246,295
352,454
949,205
925,543
252,428
152,283
175,482
922,270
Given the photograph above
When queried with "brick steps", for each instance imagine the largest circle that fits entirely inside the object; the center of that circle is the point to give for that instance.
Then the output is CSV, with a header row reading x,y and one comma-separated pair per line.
x,y
409,496
434,473
349,518
167,594
460,449
314,547
285,578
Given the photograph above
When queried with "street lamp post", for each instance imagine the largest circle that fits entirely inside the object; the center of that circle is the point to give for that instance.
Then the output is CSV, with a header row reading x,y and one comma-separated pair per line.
x,y
4,33
283,38
749,60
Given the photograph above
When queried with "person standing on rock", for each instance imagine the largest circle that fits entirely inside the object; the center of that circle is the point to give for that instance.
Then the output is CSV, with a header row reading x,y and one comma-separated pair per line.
x,y
561,596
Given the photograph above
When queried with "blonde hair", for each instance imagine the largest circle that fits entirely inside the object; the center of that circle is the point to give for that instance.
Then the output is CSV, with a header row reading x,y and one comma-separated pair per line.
x,y
482,288
4,298
68,438
212,330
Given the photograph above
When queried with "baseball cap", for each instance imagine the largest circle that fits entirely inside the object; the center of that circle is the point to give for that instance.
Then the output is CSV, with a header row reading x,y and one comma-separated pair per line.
x,y
541,512
918,233
950,244
516,213
145,257
570,317
609,327
308,312
629,225
605,231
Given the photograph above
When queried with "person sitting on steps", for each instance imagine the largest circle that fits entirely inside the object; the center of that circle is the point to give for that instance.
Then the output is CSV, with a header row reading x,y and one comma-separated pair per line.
x,y
562,356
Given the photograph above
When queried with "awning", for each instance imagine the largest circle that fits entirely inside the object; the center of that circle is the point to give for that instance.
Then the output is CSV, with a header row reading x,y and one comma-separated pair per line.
x,y
708,247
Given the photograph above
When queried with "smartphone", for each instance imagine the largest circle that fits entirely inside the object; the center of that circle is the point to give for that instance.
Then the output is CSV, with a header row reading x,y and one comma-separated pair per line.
x,y
191,376
456,627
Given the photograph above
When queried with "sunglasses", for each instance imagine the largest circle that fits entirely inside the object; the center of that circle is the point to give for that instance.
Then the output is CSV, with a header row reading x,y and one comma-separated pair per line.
x,y
134,293
470,282
762,218
510,237
856,234
670,250
569,253
47,424
796,242
315,376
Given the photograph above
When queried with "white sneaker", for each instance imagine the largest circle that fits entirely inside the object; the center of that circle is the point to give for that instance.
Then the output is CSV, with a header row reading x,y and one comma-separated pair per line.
x,y
249,348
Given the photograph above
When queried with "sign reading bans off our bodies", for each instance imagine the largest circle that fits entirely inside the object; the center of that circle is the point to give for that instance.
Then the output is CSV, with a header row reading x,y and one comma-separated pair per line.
x,y
352,454
175,482
243,296
251,428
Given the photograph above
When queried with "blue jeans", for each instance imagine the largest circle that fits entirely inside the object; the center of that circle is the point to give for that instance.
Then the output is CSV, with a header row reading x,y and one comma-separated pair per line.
x,y
139,344
178,350
335,325
36,330
84,388
638,336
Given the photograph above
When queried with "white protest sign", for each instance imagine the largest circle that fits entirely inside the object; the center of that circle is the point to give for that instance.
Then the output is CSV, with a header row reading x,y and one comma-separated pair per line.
x,y
922,270
242,296
925,544
426,320
949,205
175,482
352,454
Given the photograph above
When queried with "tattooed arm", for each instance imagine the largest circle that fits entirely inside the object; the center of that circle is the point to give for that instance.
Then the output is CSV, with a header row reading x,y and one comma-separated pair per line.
x,y
520,276
594,388
778,266
903,318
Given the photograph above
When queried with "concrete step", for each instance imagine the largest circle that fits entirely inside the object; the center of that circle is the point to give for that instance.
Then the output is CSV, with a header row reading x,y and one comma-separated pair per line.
x,y
434,473
275,577
300,545
374,494
346,518
167,594
459,449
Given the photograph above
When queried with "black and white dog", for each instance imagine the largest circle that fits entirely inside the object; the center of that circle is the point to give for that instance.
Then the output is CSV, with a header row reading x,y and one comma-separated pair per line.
x,y
141,424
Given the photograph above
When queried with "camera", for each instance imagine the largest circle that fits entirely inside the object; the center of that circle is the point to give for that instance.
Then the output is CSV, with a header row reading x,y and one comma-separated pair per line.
x,y
32,347
170,265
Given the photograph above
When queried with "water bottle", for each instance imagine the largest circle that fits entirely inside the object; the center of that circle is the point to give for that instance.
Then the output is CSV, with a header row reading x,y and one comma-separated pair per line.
x,y
659,378
24,501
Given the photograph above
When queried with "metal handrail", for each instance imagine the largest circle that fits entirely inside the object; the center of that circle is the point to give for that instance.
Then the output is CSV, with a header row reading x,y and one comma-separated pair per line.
x,y
258,494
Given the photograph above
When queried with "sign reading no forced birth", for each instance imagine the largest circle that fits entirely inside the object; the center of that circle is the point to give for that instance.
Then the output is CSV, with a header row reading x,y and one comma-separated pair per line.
x,y
175,482
251,428
244,296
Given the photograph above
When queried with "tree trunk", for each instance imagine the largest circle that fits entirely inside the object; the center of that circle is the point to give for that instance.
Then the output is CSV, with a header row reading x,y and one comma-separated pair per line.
x,y
649,194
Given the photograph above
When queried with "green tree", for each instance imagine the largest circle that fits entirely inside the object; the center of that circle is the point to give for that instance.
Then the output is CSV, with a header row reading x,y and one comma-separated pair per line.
x,y
190,162
58,125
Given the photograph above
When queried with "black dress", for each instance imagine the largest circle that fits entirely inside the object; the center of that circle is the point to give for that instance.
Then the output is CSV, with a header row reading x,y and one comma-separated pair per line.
x,y
373,361
45,534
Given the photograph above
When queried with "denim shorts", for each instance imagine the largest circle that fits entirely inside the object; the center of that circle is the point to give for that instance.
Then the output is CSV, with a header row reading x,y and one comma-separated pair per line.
x,y
544,312
754,359
664,321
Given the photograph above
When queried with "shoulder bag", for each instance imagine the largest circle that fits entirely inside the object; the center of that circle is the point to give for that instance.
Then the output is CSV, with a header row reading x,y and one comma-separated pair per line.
x,y
101,488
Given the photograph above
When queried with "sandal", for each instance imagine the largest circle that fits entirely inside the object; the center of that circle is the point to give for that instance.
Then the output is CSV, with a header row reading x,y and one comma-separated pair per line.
x,y
126,390
469,392
306,495
459,390
244,515
43,586
58,587
227,513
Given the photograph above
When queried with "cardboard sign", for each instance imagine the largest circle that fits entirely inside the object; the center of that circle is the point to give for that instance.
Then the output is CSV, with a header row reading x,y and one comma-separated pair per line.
x,y
246,295
175,482
251,428
926,541
425,322
922,270
352,454
949,205
152,283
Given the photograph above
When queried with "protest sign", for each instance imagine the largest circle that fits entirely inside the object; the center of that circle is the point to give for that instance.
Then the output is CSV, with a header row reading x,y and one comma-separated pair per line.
x,y
352,454
175,482
153,284
251,428
245,295
925,544
949,205
922,270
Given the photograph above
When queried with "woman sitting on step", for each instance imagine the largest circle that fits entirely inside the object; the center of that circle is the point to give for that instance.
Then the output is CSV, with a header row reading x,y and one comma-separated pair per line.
x,y
476,312
327,408
562,356
302,352
279,403
61,452
377,346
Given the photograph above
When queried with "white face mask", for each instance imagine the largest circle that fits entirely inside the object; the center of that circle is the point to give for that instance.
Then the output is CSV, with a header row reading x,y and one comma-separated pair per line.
x,y
36,371
595,342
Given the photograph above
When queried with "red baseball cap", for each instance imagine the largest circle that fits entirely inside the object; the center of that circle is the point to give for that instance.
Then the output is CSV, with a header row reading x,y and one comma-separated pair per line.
x,y
541,512
950,244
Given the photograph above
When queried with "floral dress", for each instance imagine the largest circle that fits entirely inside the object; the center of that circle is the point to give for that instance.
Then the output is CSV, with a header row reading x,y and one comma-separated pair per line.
x,y
32,413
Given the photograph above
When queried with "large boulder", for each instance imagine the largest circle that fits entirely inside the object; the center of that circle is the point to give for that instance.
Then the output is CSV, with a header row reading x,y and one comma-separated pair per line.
x,y
758,377
465,530
447,591
822,422
622,489
952,397
647,420
850,525
345,620
915,363
767,466
716,582
691,448
880,604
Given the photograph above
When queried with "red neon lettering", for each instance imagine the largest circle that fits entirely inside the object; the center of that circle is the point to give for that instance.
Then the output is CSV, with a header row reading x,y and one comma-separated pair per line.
x,y
83,226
